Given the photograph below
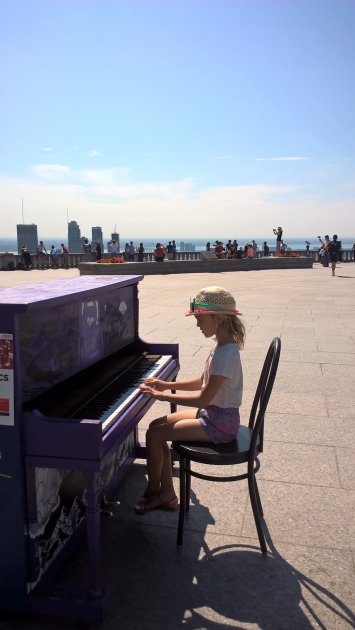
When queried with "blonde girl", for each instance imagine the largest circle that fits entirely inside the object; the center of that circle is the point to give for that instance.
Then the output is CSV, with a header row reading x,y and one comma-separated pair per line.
x,y
213,414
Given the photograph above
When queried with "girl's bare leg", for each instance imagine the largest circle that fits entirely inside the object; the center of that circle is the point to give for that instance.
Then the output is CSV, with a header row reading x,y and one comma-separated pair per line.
x,y
158,456
153,487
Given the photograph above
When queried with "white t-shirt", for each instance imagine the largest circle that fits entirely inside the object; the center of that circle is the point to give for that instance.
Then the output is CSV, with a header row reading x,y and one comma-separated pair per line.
x,y
225,361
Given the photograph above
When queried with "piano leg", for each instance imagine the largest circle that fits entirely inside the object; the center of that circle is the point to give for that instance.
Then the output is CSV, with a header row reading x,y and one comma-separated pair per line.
x,y
173,406
93,528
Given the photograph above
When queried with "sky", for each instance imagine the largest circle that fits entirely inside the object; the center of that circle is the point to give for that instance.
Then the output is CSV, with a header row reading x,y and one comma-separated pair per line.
x,y
181,118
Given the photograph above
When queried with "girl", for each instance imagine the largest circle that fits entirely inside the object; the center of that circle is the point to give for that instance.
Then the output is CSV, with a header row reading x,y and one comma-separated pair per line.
x,y
214,413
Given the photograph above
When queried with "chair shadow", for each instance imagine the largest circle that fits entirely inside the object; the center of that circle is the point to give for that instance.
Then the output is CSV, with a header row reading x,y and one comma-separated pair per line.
x,y
197,587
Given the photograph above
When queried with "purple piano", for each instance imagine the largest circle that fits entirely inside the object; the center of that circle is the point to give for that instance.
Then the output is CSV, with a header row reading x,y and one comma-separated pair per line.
x,y
71,362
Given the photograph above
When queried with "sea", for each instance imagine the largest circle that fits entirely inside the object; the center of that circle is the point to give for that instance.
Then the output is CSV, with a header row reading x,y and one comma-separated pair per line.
x,y
199,244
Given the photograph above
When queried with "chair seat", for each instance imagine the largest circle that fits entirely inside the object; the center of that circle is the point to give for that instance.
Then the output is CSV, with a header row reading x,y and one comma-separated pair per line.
x,y
235,452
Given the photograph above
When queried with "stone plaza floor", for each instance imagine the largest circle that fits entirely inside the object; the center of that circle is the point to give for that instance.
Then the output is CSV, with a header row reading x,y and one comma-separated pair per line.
x,y
219,579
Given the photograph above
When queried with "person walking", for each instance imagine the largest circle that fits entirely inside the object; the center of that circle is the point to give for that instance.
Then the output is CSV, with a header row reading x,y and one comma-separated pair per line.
x,y
333,251
213,413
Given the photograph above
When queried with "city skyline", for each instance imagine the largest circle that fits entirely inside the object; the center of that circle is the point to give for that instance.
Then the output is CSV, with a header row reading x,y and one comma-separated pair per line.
x,y
178,118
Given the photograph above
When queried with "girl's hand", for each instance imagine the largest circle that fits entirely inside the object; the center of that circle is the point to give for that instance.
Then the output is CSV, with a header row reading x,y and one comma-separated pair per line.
x,y
155,383
152,391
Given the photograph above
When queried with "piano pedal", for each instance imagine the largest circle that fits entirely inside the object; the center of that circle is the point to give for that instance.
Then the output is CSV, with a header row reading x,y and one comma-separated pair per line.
x,y
105,506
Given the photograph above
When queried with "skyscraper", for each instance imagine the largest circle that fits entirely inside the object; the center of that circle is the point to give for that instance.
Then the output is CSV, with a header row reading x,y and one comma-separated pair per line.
x,y
74,238
97,237
27,235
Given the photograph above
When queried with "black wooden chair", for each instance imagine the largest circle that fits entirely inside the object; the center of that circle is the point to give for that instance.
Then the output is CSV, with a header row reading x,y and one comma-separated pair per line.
x,y
243,450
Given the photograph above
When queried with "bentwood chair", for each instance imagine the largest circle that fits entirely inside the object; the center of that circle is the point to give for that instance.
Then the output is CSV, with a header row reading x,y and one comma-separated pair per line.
x,y
245,449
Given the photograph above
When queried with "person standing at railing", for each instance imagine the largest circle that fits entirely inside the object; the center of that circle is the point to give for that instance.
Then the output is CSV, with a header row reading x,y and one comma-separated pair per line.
x,y
266,249
354,251
174,250
98,251
54,258
140,252
65,255
26,257
87,250
278,233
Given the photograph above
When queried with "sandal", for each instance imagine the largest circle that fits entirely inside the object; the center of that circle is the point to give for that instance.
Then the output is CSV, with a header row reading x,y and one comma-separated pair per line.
x,y
145,505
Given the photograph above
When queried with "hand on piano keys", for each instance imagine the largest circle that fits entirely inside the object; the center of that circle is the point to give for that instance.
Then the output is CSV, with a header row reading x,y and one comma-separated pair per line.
x,y
156,383
154,388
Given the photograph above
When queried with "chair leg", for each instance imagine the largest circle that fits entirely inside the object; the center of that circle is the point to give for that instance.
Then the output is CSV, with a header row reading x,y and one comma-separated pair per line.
x,y
180,533
188,484
253,493
261,511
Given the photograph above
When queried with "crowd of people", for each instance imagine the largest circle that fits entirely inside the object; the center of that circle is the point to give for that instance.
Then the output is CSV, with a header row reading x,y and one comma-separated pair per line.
x,y
330,251
232,250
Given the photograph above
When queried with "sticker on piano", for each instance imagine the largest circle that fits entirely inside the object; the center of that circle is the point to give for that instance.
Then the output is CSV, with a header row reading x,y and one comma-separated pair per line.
x,y
7,417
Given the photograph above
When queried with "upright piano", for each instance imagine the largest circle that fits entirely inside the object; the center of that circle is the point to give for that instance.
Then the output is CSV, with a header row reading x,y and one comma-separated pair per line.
x,y
71,361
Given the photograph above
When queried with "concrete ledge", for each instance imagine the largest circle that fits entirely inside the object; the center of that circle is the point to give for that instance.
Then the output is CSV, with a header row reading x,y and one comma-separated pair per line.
x,y
194,266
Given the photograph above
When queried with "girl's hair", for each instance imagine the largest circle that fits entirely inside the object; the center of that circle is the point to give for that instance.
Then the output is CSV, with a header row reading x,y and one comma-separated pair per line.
x,y
232,325
230,322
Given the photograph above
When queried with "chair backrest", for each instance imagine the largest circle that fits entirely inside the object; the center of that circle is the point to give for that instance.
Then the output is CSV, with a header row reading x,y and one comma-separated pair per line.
x,y
262,396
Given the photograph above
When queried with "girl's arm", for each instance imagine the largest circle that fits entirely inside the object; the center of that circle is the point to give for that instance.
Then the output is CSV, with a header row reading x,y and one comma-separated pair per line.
x,y
200,399
160,386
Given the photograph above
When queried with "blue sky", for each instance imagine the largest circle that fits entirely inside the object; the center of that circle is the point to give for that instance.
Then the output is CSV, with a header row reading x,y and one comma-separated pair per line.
x,y
180,118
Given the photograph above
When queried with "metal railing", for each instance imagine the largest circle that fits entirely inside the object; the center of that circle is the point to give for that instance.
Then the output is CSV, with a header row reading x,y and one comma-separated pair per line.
x,y
9,262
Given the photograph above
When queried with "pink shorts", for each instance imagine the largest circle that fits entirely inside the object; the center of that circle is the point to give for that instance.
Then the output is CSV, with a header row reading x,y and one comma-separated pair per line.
x,y
221,425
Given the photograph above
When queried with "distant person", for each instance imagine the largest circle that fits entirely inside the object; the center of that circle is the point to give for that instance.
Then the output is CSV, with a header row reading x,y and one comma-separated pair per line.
x,y
26,257
87,250
126,252
278,233
307,248
354,251
239,254
174,250
324,248
41,250
140,252
333,250
54,257
169,249
131,252
159,253
208,246
255,248
232,251
266,249
219,249
65,255
250,251
98,251
228,245
113,247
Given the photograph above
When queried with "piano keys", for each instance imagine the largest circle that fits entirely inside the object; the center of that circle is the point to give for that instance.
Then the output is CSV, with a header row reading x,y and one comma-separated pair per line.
x,y
78,362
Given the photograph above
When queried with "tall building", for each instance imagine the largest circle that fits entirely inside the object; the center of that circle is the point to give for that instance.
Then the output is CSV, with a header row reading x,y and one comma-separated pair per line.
x,y
27,235
96,233
74,238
